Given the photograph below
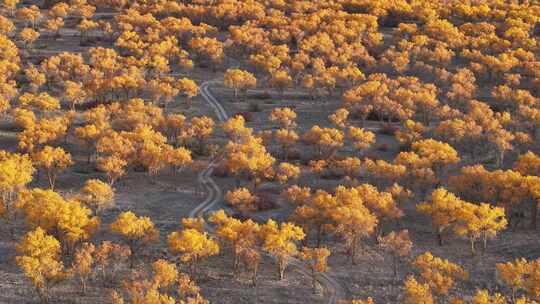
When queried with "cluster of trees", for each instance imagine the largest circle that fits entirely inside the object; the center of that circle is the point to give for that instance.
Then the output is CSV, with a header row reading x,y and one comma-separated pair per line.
x,y
247,241
56,247
436,277
41,257
120,135
246,155
473,221
354,214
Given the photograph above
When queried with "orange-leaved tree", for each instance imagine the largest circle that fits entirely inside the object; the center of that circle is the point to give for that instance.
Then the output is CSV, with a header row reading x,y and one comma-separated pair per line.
x,y
280,241
352,219
39,259
440,274
192,245
240,81
83,263
66,220
243,236
136,231
316,258
97,195
242,199
398,245
16,172
52,161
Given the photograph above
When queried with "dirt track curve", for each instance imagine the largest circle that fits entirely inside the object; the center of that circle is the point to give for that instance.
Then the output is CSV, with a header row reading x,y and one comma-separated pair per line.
x,y
214,195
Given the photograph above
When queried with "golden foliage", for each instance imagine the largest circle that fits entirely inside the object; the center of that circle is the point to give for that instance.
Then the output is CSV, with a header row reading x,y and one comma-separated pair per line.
x,y
417,292
239,80
39,259
52,161
83,263
285,117
242,200
439,274
316,258
279,240
249,158
192,246
136,231
66,220
243,236
15,173
97,195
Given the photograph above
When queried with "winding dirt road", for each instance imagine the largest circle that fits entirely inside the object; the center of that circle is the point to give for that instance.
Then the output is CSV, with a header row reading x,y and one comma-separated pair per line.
x,y
214,197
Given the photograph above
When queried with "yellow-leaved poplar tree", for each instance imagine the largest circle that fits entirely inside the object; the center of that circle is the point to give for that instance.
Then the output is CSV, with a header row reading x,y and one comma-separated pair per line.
x,y
66,220
15,173
83,263
316,259
192,246
39,259
243,236
280,241
417,293
240,81
136,231
440,274
97,195
52,161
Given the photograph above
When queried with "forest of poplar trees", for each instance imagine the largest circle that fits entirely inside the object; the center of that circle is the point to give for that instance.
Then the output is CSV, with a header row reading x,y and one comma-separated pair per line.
x,y
269,151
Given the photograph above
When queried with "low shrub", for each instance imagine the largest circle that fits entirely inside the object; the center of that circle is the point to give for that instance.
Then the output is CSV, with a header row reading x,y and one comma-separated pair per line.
x,y
254,107
389,129
383,147
265,201
260,95
248,116
220,171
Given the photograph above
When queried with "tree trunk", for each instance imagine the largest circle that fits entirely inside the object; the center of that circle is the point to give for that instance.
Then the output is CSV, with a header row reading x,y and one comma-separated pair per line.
x,y
319,235
314,281
395,266
500,158
363,121
254,274
201,145
256,183
132,248
193,268
534,214
353,252
484,247
83,285
43,293
89,158
110,179
236,262
281,265
51,178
